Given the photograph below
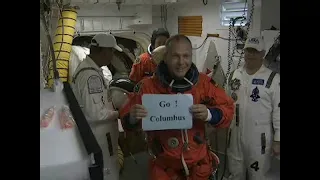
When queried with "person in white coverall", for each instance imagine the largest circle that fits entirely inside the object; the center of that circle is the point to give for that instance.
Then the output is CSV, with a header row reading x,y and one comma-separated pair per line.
x,y
90,89
254,134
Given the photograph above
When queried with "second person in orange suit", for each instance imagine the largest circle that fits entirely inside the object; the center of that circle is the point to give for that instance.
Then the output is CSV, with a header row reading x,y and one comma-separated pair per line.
x,y
181,154
144,66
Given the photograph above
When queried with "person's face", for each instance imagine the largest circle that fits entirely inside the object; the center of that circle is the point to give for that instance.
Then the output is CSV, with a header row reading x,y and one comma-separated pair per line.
x,y
106,56
179,58
253,58
160,40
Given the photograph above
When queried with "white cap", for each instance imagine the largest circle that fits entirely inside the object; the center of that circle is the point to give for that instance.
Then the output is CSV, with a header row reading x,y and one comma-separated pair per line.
x,y
105,40
255,43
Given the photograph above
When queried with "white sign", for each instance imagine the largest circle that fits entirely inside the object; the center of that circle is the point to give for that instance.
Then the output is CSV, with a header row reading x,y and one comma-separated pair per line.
x,y
167,111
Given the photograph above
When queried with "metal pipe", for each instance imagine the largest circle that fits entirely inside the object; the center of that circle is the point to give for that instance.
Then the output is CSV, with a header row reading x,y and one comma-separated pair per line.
x,y
113,16
105,16
117,30
104,31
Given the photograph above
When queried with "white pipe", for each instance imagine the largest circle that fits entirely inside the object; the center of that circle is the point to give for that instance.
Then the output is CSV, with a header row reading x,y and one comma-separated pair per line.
x,y
118,16
105,31
106,16
131,2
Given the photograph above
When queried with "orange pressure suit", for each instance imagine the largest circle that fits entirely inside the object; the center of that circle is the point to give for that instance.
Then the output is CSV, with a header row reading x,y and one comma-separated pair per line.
x,y
190,157
145,66
142,67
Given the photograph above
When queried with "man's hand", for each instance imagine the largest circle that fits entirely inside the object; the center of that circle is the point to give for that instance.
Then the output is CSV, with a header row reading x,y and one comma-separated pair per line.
x,y
276,148
138,112
199,111
112,115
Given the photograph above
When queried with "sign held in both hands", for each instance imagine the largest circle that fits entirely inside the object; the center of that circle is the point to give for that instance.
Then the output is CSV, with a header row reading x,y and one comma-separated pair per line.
x,y
167,111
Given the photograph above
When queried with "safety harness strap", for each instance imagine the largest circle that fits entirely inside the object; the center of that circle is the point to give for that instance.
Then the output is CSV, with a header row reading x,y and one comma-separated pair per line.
x,y
89,141
270,79
230,77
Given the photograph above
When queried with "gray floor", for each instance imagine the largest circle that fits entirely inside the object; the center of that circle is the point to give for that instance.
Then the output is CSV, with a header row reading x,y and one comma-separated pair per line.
x,y
133,171
139,171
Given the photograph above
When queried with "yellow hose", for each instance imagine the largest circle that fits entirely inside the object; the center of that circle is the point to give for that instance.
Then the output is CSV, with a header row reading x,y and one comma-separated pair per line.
x,y
120,158
62,48
63,44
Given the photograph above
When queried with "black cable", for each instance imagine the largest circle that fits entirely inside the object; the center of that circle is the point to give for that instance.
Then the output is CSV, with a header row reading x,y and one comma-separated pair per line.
x,y
250,17
55,72
204,41
231,24
242,40
229,56
165,16
244,12
161,15
54,65
248,27
205,2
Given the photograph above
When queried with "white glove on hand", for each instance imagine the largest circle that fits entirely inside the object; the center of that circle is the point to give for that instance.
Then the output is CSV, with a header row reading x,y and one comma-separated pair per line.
x,y
158,54
112,114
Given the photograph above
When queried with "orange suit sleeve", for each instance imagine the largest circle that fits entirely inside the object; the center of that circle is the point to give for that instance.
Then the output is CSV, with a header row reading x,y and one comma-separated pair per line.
x,y
134,98
136,73
222,108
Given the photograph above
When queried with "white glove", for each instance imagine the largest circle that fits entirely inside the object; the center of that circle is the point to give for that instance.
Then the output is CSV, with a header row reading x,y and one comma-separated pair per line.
x,y
158,54
112,114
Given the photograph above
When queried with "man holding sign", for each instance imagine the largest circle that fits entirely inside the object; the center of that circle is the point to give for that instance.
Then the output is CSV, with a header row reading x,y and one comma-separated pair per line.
x,y
184,99
167,111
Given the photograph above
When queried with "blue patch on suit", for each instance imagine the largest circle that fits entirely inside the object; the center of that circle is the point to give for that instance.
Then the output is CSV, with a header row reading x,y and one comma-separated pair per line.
x,y
255,94
258,81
